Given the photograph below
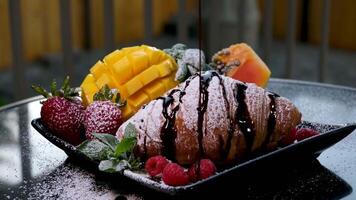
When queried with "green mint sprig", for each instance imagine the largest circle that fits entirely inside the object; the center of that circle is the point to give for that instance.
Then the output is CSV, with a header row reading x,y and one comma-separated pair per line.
x,y
114,155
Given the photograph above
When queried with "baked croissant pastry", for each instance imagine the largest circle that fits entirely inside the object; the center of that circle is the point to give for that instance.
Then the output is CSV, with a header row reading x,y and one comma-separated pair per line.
x,y
232,120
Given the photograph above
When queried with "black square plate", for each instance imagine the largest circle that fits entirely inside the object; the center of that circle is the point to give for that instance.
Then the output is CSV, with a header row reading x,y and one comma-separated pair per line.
x,y
306,149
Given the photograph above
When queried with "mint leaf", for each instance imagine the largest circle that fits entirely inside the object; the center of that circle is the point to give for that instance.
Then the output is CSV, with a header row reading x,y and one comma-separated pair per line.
x,y
107,166
126,145
112,166
128,142
95,149
130,131
122,165
110,140
119,154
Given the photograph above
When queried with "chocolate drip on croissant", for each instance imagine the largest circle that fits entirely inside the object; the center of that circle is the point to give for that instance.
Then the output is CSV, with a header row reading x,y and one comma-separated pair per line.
x,y
271,119
168,132
203,103
242,116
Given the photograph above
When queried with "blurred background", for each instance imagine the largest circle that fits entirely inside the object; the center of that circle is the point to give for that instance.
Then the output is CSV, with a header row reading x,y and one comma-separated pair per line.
x,y
299,39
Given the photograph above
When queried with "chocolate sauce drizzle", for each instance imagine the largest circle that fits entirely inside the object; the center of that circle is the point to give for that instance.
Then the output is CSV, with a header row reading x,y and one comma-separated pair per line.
x,y
203,104
242,116
145,147
168,132
271,119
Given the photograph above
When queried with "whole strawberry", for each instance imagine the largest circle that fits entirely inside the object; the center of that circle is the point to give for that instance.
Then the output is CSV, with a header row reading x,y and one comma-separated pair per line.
x,y
103,115
62,112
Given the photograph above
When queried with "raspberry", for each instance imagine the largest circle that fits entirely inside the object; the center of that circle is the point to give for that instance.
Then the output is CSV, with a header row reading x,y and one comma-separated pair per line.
x,y
290,138
205,170
304,133
154,166
174,175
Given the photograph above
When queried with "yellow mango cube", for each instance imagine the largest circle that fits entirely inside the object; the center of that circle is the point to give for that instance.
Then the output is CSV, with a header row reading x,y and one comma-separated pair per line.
x,y
149,75
169,82
154,55
123,69
113,57
105,79
155,89
133,85
164,69
138,99
98,69
88,79
140,61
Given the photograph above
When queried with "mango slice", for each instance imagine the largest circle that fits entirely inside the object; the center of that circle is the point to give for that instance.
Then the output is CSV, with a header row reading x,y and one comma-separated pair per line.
x,y
140,73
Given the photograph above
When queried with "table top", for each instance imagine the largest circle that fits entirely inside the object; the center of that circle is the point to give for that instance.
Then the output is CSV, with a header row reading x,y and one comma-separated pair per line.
x,y
32,167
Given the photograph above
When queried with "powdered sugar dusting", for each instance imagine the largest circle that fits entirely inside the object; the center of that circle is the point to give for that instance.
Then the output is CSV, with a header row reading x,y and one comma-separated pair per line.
x,y
68,182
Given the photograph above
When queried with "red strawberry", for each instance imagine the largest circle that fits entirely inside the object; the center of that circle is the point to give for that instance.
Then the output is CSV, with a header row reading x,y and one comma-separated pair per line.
x,y
304,133
62,113
154,166
289,138
206,169
174,175
103,116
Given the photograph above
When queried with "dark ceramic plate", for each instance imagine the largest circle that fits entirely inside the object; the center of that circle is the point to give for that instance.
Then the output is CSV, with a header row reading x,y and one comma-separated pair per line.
x,y
301,151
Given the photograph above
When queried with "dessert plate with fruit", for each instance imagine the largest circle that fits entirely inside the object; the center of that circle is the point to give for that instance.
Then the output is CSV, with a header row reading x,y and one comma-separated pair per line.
x,y
171,122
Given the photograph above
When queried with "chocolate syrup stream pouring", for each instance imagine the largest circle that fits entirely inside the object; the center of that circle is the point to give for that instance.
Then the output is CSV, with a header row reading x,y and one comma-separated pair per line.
x,y
200,114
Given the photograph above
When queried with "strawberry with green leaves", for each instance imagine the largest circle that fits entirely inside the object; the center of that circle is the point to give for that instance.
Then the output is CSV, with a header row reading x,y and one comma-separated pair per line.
x,y
62,112
103,115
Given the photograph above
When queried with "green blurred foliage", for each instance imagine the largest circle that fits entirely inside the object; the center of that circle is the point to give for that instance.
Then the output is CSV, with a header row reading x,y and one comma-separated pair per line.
x,y
2,101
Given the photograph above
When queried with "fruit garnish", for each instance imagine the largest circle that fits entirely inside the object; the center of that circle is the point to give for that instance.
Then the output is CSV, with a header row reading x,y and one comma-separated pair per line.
x,y
175,175
114,155
304,133
103,115
206,169
62,112
188,61
154,166
240,62
139,73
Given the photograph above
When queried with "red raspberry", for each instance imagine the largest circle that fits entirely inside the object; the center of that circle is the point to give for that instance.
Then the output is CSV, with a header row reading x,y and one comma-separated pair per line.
x,y
174,175
290,138
154,166
304,133
205,170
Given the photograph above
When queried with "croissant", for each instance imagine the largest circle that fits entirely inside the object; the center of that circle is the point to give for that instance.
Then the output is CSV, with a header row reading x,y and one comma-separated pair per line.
x,y
231,121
